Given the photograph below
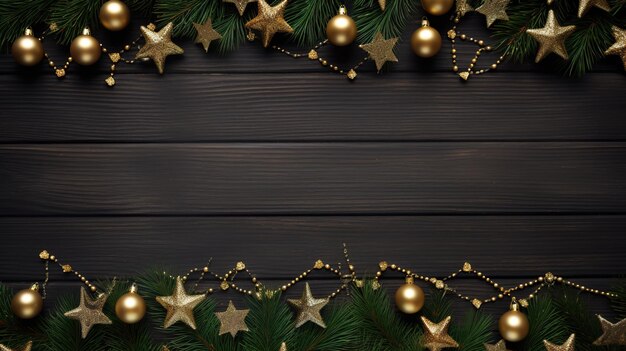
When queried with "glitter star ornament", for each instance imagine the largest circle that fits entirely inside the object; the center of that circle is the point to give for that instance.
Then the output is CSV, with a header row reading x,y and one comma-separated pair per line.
x,y
612,333
382,4
27,347
494,10
240,4
283,347
158,46
436,335
180,306
568,345
270,21
381,50
232,320
463,7
309,308
619,48
89,312
206,34
499,346
586,5
551,38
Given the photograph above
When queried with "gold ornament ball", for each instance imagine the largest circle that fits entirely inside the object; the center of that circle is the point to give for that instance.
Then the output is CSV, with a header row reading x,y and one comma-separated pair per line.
x,y
437,7
426,41
27,50
27,304
410,298
85,49
114,15
130,308
341,29
513,326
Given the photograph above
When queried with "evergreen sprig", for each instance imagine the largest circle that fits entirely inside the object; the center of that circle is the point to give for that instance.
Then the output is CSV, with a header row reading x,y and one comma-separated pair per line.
x,y
308,19
370,19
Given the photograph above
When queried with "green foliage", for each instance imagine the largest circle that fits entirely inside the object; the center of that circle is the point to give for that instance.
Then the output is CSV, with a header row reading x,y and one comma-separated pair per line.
x,y
13,331
370,19
72,16
341,333
619,303
546,323
437,306
273,324
308,19
473,331
16,16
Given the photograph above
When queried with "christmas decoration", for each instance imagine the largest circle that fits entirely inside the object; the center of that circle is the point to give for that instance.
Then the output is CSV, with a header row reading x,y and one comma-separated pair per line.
x,y
586,5
437,7
426,41
436,335
85,49
619,48
27,50
568,345
612,333
180,306
410,297
158,46
551,37
341,29
381,50
130,307
206,34
513,325
240,4
27,303
270,21
89,312
494,10
309,308
463,7
232,320
114,15
26,347
382,4
499,346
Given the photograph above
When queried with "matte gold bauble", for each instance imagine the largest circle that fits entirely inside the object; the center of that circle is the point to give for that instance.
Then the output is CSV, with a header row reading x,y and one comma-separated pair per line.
x,y
114,15
341,29
410,297
27,50
437,7
426,40
27,303
85,49
130,307
514,324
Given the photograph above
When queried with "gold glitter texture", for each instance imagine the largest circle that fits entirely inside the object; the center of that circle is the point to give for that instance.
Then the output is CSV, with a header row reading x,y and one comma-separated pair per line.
x,y
180,306
270,21
612,333
619,48
499,346
26,347
232,320
381,50
158,46
309,308
551,38
463,7
206,34
436,334
568,345
586,5
89,312
240,4
494,10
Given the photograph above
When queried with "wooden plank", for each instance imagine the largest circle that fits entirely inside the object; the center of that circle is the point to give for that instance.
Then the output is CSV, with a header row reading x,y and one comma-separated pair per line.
x,y
281,247
312,107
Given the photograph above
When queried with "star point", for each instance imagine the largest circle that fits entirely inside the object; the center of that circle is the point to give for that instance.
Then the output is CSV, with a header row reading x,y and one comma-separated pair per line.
x,y
619,48
206,34
232,320
270,21
494,10
381,50
27,347
180,306
240,4
436,334
463,7
89,312
586,5
499,346
158,46
309,308
612,333
551,37
568,345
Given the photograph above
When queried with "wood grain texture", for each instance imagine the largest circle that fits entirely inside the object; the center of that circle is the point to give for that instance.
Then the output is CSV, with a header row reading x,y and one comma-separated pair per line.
x,y
313,107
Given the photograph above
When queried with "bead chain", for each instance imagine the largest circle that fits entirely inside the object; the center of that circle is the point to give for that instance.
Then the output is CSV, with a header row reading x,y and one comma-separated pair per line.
x,y
66,268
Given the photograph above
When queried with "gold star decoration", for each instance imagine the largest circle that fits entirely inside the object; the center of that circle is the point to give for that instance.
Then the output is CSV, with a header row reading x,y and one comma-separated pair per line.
x,y
551,37
499,346
586,5
612,333
309,308
436,334
270,21
283,347
232,320
463,7
158,46
382,4
26,347
619,48
89,312
494,10
381,50
180,306
568,345
206,34
240,4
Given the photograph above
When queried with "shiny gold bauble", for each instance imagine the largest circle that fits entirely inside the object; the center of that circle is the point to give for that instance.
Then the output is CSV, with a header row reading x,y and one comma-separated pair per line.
x,y
114,15
513,325
341,29
130,307
27,303
27,50
410,297
85,49
437,7
426,41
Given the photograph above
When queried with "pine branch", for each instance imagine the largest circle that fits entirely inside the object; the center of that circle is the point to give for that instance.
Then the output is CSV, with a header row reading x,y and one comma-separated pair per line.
x,y
437,306
72,16
14,331
370,19
271,323
619,303
341,333
16,16
546,323
473,331
308,19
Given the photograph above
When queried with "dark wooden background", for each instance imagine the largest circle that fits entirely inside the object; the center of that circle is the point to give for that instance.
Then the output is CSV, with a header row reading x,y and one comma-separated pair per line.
x,y
260,157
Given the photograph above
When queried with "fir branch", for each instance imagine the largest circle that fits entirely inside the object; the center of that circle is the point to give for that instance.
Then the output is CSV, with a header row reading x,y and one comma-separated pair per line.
x,y
308,19
14,331
16,16
473,331
72,16
370,19
340,334
546,323
437,306
619,303
271,324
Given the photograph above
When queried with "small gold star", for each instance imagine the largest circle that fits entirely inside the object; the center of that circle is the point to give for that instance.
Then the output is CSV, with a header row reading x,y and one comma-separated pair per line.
x,y
89,312
26,347
270,21
612,333
568,345
309,308
180,306
436,335
499,346
232,320
158,46
206,34
381,50
619,48
463,7
240,4
494,10
551,37
586,5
